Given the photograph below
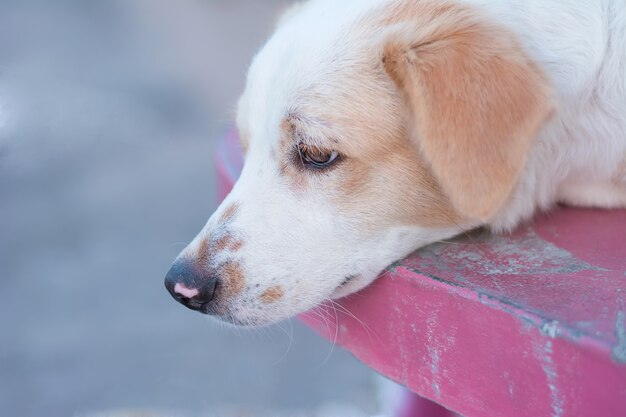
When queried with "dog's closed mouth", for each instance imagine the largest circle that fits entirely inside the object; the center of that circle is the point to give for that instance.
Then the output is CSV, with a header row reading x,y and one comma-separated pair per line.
x,y
346,280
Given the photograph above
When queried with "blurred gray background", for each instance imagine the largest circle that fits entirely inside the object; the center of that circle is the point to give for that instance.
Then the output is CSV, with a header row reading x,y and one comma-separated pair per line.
x,y
109,111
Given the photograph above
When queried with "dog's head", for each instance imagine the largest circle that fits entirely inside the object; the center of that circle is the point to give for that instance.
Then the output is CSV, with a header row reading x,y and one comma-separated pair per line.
x,y
368,132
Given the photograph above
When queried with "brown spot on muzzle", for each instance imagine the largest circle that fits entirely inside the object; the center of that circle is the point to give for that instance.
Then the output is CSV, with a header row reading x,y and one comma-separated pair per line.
x,y
203,256
227,242
272,295
235,245
229,273
231,280
229,213
221,243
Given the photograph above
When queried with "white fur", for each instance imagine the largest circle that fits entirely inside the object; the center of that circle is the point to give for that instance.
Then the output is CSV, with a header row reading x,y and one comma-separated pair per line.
x,y
581,46
300,243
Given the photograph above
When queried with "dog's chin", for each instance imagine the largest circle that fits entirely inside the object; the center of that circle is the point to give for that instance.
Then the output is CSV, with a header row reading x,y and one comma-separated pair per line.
x,y
247,322
249,319
239,317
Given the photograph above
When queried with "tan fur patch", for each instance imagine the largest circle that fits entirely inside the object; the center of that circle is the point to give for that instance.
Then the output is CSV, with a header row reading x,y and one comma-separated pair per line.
x,y
227,242
244,141
203,256
235,245
289,167
221,243
413,196
233,279
272,294
476,100
229,212
288,135
381,176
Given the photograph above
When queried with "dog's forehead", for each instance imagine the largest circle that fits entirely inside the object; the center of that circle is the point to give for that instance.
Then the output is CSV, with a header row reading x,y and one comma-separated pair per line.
x,y
300,61
336,88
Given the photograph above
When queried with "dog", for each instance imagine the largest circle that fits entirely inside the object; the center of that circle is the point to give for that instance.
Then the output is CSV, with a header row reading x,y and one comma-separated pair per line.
x,y
373,127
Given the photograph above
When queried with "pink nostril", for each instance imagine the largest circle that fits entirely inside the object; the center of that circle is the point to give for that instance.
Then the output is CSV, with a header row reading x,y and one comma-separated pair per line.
x,y
184,291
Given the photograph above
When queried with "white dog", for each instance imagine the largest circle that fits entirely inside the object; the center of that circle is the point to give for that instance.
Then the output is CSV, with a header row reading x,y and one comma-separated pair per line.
x,y
374,127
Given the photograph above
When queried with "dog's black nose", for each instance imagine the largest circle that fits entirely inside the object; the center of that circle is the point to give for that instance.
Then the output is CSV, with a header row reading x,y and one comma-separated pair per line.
x,y
190,285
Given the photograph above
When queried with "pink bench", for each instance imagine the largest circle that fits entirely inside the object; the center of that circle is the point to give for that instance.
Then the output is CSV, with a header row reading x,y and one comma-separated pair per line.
x,y
530,324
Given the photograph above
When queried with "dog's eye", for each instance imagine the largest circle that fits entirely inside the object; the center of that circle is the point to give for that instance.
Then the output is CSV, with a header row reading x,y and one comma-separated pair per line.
x,y
315,157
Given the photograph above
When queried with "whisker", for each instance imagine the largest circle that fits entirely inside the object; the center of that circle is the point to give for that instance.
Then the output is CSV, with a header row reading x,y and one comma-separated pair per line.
x,y
290,335
335,337
322,313
367,328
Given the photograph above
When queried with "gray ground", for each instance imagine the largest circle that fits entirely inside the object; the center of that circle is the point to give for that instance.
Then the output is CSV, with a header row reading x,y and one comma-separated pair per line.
x,y
107,114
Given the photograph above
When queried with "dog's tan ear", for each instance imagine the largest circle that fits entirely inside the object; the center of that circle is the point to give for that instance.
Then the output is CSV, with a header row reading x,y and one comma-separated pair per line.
x,y
476,103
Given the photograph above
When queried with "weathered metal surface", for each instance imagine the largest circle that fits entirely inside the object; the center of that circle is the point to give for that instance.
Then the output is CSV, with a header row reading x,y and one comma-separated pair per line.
x,y
528,324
